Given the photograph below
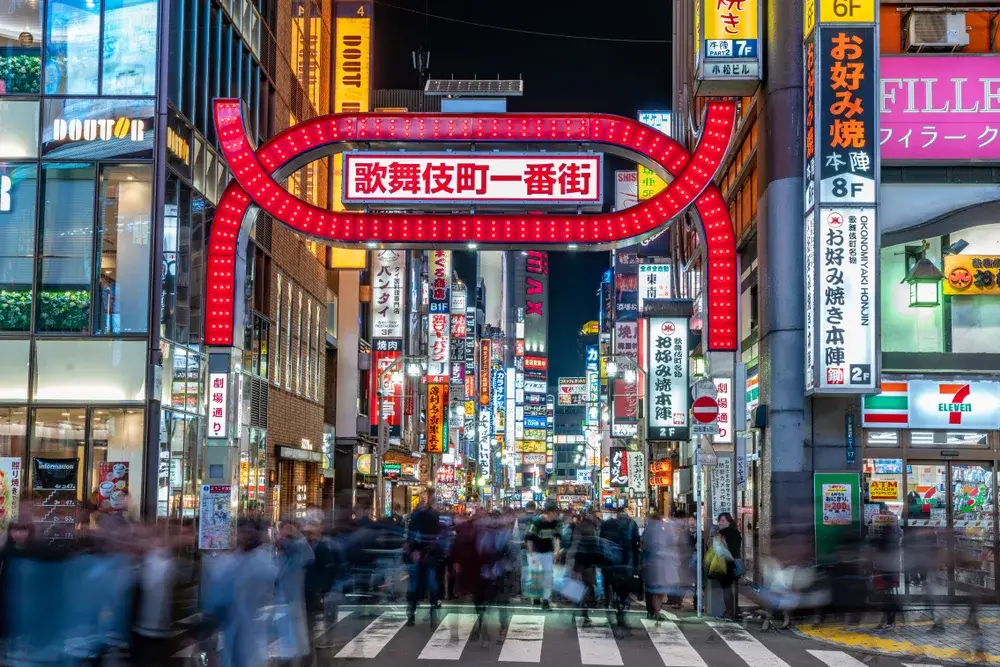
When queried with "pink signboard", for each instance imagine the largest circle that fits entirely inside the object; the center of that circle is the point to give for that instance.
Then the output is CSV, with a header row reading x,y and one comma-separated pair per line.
x,y
940,108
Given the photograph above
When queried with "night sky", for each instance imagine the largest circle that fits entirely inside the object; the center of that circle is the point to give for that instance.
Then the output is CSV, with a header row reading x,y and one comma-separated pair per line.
x,y
565,73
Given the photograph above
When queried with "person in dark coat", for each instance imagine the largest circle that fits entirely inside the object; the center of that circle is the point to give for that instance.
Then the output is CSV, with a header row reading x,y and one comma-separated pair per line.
x,y
734,543
423,552
620,536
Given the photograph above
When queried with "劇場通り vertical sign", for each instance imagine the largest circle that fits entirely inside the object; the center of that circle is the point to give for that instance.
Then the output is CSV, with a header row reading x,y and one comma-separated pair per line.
x,y
841,139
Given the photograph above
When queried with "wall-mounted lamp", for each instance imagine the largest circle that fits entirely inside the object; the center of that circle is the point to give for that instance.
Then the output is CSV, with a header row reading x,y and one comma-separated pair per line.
x,y
924,280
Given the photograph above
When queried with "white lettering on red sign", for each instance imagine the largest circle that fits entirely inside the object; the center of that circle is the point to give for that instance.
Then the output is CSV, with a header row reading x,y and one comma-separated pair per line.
x,y
395,177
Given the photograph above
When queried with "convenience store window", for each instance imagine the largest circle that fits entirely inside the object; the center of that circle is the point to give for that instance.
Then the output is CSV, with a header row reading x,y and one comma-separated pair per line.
x,y
948,438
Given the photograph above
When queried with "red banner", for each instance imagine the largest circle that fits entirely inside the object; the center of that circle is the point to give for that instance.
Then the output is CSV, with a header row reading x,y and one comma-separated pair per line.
x,y
391,386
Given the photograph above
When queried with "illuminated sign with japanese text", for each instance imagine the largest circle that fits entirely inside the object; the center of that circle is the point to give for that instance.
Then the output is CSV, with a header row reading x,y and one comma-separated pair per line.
x,y
388,293
485,361
840,221
353,55
536,296
486,178
649,184
729,52
939,107
972,274
437,418
667,416
218,405
388,394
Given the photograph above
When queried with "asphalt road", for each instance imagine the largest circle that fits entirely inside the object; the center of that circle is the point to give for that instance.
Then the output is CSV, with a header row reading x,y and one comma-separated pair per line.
x,y
382,639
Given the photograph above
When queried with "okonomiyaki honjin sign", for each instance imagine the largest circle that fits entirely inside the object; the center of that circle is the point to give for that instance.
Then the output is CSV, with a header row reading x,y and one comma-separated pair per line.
x,y
668,378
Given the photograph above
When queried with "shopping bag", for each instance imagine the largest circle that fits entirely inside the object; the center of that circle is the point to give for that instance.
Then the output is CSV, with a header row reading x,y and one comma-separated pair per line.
x,y
717,560
567,586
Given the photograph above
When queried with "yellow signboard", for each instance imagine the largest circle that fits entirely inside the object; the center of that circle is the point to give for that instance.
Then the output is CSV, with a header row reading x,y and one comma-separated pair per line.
x,y
353,65
353,82
437,411
883,490
971,274
650,184
808,17
847,11
733,19
531,446
347,258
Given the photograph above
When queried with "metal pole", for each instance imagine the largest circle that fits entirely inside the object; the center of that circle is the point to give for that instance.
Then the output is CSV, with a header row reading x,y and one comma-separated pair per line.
x,y
700,539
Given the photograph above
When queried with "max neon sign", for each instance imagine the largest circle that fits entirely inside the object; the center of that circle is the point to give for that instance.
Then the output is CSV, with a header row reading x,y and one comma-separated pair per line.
x,y
257,174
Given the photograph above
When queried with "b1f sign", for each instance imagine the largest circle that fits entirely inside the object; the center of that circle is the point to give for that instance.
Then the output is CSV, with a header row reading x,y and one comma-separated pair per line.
x,y
548,179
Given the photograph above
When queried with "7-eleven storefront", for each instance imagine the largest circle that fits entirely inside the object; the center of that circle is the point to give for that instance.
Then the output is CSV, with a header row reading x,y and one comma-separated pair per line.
x,y
930,464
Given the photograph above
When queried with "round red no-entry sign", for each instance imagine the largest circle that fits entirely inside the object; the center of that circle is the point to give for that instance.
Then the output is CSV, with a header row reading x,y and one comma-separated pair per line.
x,y
705,410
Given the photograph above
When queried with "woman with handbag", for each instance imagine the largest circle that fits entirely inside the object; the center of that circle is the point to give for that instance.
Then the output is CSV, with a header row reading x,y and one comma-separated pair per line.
x,y
730,574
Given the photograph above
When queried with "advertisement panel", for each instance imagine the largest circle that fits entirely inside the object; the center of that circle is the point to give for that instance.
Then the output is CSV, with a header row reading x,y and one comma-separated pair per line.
x,y
841,230
388,293
536,296
655,282
507,179
499,399
971,274
626,189
592,359
627,339
626,295
388,384
439,268
618,462
572,391
649,184
485,442
485,364
846,341
667,416
945,404
939,107
353,57
729,51
437,416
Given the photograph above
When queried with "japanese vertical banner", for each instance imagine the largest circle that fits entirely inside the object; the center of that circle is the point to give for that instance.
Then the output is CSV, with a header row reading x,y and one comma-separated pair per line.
x,y
439,320
840,199
437,424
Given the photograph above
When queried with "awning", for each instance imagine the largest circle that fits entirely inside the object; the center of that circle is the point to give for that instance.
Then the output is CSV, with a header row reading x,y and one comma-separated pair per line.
x,y
396,456
406,480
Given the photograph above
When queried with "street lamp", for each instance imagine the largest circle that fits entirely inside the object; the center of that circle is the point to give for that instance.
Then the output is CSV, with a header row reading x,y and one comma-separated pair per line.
x,y
612,367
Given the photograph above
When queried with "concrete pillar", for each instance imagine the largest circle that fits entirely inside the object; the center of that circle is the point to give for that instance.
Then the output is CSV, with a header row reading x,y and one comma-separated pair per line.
x,y
786,467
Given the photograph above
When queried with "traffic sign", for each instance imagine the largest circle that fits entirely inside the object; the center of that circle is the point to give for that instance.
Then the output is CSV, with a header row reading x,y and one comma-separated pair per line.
x,y
705,410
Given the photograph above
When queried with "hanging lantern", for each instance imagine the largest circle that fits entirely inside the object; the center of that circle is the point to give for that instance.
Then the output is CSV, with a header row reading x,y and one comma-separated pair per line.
x,y
924,280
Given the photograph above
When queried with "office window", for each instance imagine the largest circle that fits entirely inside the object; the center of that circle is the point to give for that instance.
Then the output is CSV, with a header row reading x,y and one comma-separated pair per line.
x,y
21,48
129,70
65,264
124,228
298,344
18,184
19,138
288,349
308,349
72,47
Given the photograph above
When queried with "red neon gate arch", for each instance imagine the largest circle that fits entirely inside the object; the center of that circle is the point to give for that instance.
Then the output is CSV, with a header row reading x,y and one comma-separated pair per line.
x,y
254,183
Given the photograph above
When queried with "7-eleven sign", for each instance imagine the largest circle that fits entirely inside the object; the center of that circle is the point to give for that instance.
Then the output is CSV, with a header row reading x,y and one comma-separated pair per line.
x,y
956,401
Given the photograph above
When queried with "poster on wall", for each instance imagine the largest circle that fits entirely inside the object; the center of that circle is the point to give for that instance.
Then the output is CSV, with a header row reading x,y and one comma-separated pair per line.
x,y
637,474
112,486
10,490
215,523
837,512
387,378
836,505
721,481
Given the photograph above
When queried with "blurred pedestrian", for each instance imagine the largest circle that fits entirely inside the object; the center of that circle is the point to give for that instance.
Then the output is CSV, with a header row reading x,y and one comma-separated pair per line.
x,y
422,552
543,543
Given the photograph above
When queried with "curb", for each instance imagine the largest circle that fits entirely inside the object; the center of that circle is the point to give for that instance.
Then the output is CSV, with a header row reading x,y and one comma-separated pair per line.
x,y
886,646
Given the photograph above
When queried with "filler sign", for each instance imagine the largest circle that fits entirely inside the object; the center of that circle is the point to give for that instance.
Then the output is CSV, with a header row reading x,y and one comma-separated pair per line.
x,y
454,178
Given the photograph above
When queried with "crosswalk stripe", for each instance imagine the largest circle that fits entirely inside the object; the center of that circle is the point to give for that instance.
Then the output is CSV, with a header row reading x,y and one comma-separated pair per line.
x,y
322,628
836,659
450,638
674,648
920,664
597,643
374,638
746,646
524,639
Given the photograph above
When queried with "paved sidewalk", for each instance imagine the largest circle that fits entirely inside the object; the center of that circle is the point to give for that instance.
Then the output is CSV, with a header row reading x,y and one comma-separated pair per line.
x,y
914,636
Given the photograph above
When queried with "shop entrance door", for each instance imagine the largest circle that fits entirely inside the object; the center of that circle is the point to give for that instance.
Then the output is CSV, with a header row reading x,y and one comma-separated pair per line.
x,y
950,532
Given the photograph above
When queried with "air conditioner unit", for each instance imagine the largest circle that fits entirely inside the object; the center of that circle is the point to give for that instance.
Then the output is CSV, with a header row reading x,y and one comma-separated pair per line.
x,y
935,31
